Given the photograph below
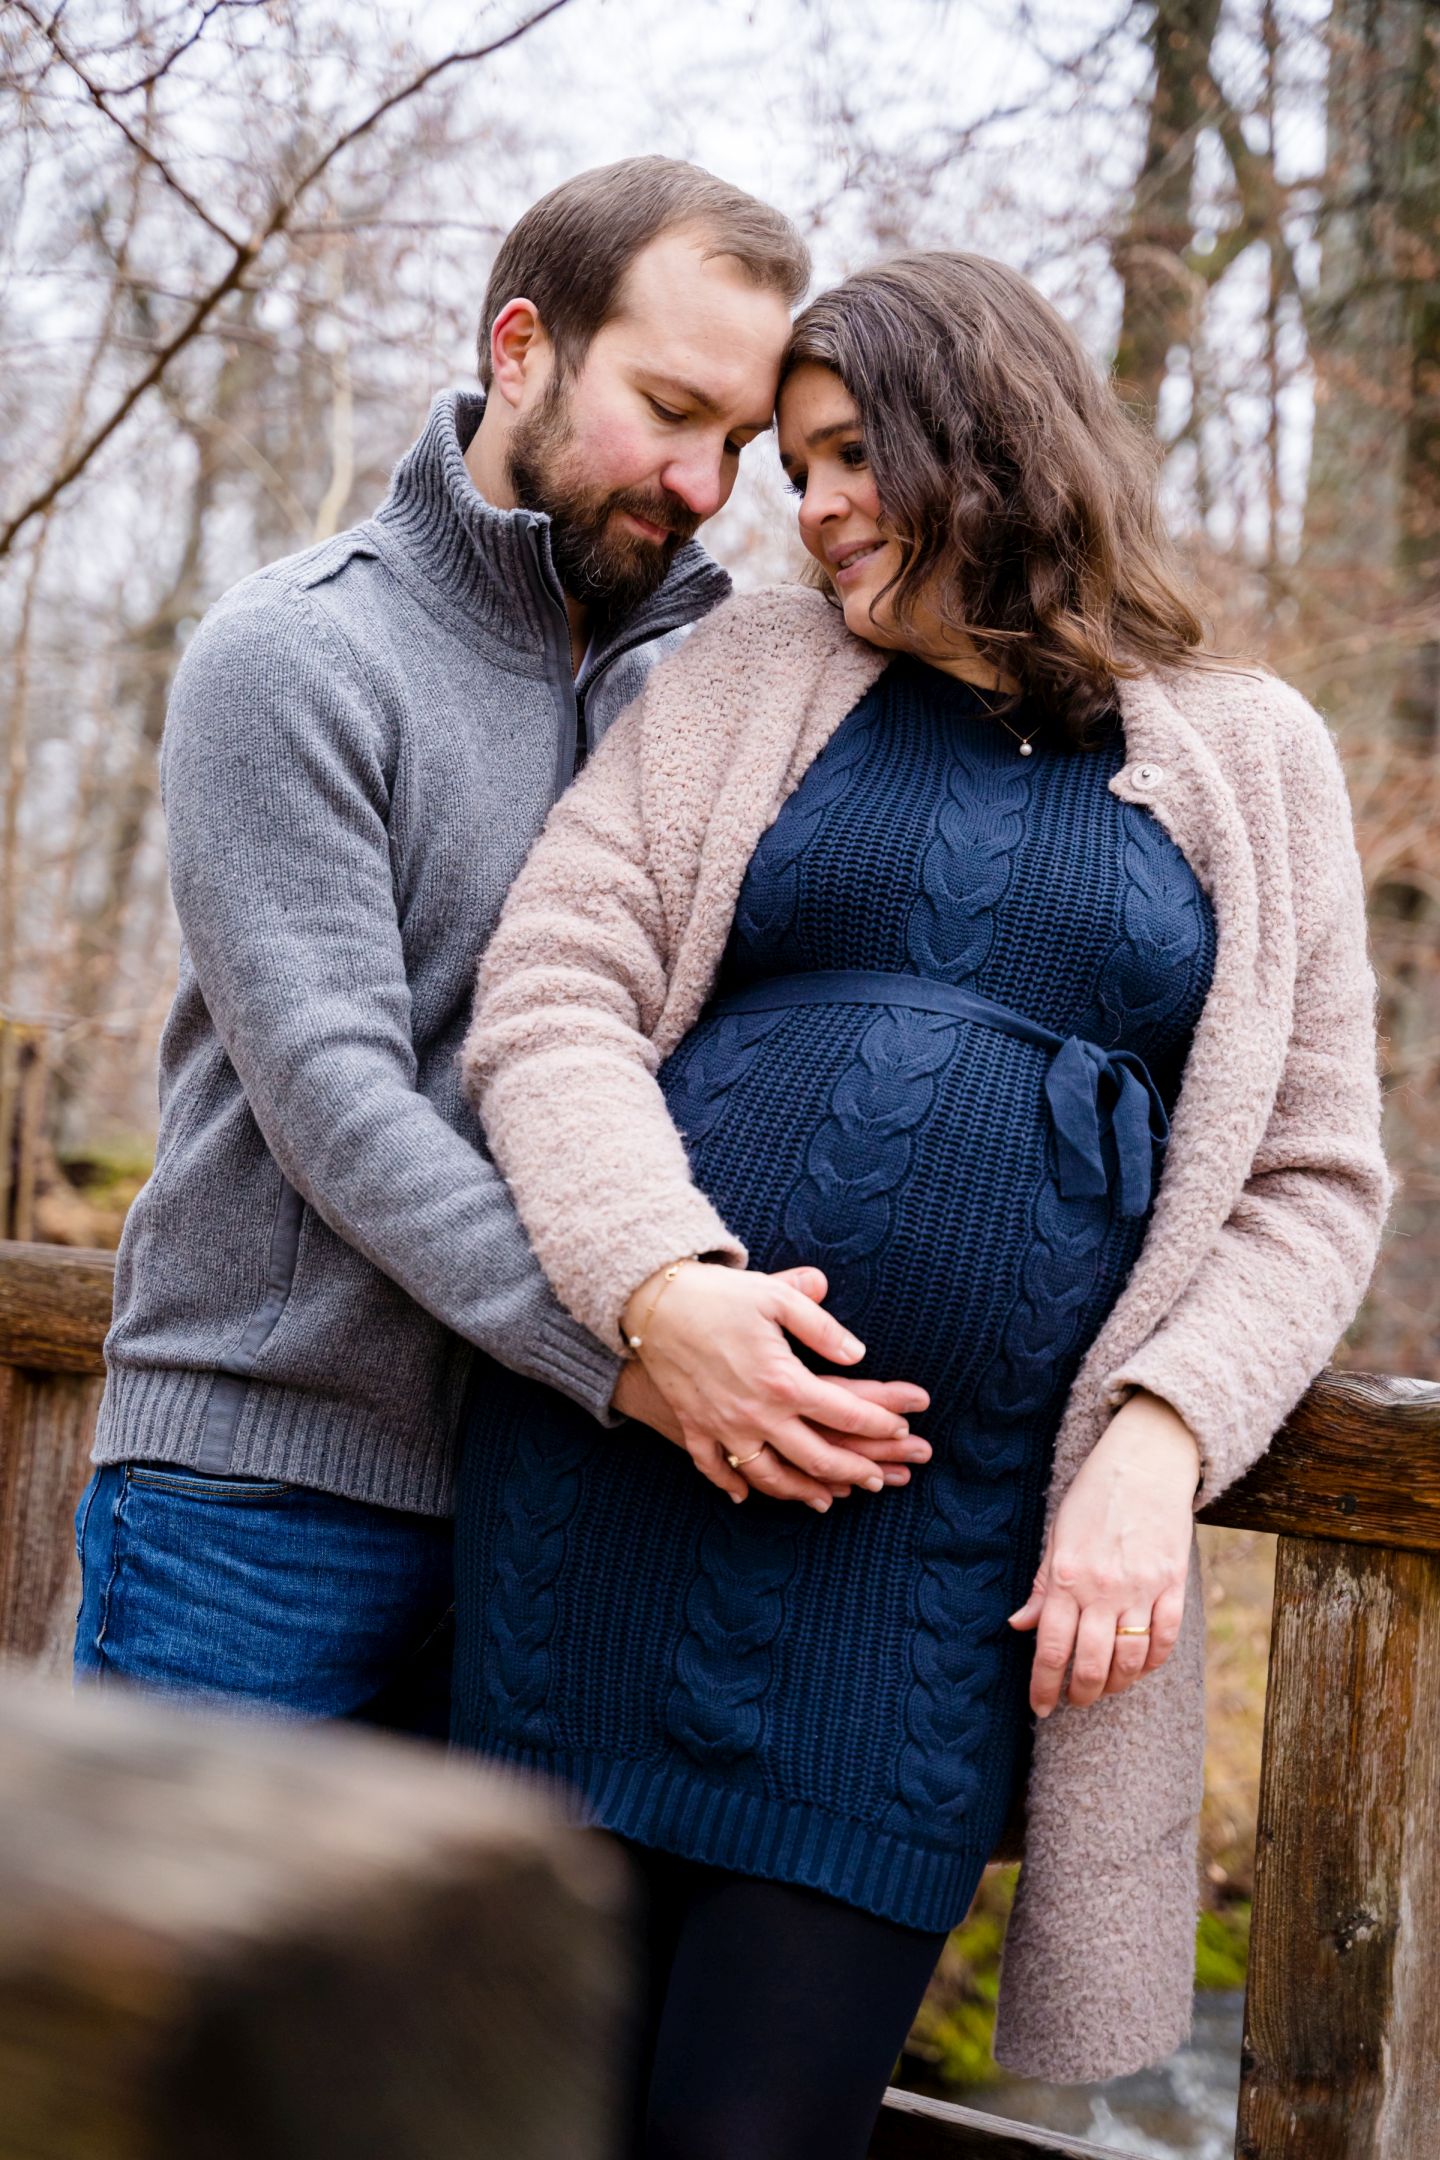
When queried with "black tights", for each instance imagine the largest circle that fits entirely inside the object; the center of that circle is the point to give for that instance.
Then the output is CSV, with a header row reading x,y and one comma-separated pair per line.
x,y
772,2017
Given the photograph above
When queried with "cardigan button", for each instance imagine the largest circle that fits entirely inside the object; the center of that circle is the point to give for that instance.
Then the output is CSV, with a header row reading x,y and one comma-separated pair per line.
x,y
1146,778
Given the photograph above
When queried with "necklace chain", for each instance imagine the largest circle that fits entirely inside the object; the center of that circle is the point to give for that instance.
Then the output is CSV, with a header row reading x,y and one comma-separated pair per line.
x,y
1023,740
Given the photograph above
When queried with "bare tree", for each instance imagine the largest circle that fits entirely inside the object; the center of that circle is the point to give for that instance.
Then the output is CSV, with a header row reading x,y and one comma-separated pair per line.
x,y
1155,250
240,249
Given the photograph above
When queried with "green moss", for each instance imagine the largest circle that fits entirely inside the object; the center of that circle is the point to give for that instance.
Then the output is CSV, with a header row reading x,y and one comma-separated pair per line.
x,y
101,1163
950,2042
109,1172
1222,1946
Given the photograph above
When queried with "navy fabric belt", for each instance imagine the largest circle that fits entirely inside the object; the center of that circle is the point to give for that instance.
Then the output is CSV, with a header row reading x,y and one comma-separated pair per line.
x,y
1089,1090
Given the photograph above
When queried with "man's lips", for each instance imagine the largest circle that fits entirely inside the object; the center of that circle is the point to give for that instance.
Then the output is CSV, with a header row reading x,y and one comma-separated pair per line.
x,y
649,530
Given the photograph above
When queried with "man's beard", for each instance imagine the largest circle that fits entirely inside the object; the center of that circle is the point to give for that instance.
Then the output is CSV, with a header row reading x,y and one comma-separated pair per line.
x,y
600,564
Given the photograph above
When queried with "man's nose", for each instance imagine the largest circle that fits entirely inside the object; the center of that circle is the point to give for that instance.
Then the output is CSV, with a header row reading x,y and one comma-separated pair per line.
x,y
699,481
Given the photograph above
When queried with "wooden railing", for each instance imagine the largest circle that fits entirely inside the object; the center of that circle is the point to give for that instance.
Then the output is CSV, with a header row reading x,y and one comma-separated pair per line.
x,y
1341,2054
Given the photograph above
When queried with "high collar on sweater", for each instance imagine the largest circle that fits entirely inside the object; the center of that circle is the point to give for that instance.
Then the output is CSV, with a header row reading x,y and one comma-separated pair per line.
x,y
494,568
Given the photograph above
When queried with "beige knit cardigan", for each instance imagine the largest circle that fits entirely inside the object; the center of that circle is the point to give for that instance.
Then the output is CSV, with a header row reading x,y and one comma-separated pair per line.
x,y
1264,1231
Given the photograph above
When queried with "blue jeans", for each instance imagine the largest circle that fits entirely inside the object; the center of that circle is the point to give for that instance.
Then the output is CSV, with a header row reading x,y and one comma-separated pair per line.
x,y
246,1590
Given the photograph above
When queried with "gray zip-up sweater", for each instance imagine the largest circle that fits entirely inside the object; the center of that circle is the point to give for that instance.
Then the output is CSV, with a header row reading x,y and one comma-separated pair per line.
x,y
362,743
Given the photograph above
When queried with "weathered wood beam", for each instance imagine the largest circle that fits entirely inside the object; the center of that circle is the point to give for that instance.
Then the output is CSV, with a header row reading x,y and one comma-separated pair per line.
x,y
229,1938
54,1311
54,1307
47,1426
913,2128
1341,2057
1358,1460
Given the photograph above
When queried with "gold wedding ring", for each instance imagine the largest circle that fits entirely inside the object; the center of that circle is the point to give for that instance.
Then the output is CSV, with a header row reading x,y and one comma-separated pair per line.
x,y
738,1462
1132,1631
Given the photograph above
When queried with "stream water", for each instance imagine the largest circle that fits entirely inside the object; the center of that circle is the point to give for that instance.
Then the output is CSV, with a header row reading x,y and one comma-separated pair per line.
x,y
1182,2110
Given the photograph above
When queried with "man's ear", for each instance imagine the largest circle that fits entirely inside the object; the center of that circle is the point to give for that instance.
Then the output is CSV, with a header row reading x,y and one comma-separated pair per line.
x,y
521,355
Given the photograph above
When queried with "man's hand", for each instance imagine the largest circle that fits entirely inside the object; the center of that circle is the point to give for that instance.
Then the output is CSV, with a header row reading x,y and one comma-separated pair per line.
x,y
719,1378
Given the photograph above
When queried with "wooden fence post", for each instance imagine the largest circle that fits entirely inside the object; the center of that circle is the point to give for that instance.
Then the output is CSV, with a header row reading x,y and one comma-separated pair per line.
x,y
222,1939
1341,2055
54,1310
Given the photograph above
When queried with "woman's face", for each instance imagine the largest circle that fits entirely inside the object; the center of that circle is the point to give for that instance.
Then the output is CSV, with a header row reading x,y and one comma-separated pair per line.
x,y
823,454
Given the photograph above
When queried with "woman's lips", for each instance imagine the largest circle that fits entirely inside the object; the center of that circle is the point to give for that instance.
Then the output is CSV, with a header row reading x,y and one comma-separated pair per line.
x,y
855,567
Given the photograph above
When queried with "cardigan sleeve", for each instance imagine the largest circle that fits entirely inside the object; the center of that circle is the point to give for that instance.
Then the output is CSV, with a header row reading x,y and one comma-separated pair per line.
x,y
1289,1267
560,1062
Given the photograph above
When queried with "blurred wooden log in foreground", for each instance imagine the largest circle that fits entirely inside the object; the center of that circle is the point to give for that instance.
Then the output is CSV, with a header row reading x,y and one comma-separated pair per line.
x,y
221,1939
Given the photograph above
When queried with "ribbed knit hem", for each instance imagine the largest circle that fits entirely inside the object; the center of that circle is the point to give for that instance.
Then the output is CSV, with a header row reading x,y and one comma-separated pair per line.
x,y
669,1807
336,1447
567,1357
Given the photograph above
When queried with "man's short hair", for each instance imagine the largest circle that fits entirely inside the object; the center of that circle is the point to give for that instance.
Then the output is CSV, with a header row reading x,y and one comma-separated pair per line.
x,y
570,251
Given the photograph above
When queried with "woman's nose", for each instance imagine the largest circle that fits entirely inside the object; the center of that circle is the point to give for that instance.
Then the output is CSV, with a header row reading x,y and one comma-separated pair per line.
x,y
819,507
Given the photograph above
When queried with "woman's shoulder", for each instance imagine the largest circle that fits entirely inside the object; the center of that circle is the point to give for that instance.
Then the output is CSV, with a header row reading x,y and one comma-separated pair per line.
x,y
1245,712
752,665
772,624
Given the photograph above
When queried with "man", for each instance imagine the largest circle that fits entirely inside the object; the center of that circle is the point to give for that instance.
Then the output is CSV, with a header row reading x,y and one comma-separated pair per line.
x,y
362,743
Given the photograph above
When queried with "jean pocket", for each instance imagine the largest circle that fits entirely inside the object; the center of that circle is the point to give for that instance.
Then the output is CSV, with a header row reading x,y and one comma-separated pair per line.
x,y
82,1514
205,1485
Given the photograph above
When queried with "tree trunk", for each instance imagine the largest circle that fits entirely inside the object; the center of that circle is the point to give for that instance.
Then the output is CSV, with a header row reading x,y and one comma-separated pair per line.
x,y
1372,557
1372,522
1150,253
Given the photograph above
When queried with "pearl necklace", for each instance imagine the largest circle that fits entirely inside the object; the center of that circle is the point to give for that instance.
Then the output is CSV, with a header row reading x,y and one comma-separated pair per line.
x,y
1024,741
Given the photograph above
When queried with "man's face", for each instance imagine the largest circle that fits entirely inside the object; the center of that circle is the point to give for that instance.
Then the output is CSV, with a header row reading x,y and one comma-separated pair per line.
x,y
631,453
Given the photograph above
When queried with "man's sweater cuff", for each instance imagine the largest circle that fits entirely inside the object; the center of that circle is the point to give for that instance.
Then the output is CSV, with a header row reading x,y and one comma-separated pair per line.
x,y
568,1357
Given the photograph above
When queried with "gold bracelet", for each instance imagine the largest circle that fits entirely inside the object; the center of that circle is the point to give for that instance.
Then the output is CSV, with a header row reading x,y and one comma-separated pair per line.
x,y
636,1343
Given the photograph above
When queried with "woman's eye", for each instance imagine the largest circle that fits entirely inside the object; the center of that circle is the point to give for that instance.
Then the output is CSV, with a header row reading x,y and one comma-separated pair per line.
x,y
663,412
796,482
853,455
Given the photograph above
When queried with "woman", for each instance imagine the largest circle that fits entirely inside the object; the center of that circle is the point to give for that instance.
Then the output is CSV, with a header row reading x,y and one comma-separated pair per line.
x,y
925,918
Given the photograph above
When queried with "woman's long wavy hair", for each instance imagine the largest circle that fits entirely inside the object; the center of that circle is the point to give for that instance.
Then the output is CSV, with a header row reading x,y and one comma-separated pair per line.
x,y
1022,493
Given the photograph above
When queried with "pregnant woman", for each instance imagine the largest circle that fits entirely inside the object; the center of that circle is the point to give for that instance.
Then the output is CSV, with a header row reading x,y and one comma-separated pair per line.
x,y
966,933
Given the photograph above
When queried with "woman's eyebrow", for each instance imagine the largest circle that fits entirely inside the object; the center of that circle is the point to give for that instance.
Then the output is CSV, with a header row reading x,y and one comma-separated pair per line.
x,y
820,435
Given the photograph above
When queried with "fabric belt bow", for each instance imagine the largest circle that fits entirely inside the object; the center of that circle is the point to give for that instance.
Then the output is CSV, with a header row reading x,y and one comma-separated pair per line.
x,y
1089,1090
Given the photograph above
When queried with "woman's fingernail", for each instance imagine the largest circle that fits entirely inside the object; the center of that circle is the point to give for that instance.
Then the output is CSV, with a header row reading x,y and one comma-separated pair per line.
x,y
1042,1713
852,1345
821,1507
875,1484
737,1497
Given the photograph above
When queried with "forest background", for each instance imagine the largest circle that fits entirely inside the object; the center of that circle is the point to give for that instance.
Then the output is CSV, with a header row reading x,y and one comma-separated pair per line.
x,y
243,242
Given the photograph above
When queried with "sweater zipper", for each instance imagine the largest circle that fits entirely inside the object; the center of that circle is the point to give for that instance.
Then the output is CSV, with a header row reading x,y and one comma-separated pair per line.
x,y
560,668
661,627
569,702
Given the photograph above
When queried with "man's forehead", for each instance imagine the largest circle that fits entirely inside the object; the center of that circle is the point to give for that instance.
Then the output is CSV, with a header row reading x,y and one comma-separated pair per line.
x,y
700,322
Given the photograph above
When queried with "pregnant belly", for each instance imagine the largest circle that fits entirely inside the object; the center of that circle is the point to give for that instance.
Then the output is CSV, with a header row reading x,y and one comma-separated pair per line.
x,y
909,1155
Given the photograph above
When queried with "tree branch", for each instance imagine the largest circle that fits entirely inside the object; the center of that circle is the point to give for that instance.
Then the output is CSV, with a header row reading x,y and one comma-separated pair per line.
x,y
158,74
244,254
138,144
1264,198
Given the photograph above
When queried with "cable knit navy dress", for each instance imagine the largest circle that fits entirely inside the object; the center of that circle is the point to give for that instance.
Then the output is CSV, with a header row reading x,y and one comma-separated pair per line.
x,y
953,1012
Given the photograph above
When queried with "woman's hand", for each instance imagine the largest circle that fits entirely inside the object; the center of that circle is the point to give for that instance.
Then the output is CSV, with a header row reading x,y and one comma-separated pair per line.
x,y
716,1353
1117,1557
